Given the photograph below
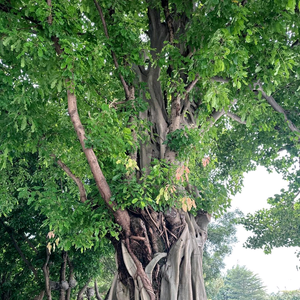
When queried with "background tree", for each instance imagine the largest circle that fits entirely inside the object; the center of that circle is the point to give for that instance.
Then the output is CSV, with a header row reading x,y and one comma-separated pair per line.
x,y
286,295
277,226
29,251
221,238
150,111
241,284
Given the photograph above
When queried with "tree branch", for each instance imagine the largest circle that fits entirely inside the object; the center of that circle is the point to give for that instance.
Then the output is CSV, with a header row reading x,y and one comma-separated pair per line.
x,y
121,216
50,14
128,93
47,276
215,117
9,230
98,297
169,20
235,118
77,180
220,79
81,292
63,275
71,278
191,85
275,106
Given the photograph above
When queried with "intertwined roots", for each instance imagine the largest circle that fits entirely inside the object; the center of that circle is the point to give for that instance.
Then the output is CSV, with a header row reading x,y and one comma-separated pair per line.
x,y
181,275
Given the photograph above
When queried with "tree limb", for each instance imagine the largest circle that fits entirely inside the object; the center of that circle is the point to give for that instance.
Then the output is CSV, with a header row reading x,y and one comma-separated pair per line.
x,y
30,244
47,276
9,230
71,277
276,106
50,14
220,79
77,180
169,20
125,85
63,275
215,117
98,297
191,85
121,216
235,117
81,292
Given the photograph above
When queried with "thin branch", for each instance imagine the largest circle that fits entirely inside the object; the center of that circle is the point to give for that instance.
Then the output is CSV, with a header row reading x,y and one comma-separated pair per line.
x,y
50,14
30,244
9,230
71,278
82,291
215,117
63,274
235,118
121,216
76,179
220,79
98,297
191,85
47,276
125,85
169,20
276,106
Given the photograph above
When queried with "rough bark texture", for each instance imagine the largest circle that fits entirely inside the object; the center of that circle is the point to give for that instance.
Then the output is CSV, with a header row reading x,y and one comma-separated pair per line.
x,y
63,276
180,275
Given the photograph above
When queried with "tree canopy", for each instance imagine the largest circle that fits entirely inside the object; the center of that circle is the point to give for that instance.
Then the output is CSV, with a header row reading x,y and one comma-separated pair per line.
x,y
142,117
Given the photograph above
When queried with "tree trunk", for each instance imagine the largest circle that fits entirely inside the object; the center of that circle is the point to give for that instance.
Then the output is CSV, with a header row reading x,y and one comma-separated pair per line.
x,y
71,279
174,273
63,282
47,276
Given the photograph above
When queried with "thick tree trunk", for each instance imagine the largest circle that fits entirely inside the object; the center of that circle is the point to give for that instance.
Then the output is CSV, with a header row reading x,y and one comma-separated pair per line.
x,y
175,273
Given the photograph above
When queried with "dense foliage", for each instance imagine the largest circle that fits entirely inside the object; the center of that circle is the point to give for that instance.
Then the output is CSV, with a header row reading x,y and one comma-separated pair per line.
x,y
221,238
277,226
142,117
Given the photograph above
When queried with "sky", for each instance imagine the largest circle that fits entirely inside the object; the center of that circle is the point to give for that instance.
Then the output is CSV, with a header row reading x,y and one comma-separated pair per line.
x,y
278,269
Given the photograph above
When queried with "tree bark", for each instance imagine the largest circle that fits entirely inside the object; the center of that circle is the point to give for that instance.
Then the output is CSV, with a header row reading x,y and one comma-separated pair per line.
x,y
47,275
63,276
174,273
83,289
98,297
71,277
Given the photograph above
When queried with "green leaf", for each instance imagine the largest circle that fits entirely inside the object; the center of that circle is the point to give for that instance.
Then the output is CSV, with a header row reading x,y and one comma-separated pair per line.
x,y
53,83
59,86
40,52
24,123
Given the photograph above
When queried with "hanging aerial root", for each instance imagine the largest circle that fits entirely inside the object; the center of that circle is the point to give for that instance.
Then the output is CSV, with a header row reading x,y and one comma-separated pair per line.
x,y
181,275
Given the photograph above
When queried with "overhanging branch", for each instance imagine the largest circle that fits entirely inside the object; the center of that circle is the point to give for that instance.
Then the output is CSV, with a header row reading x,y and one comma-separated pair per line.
x,y
235,118
76,179
9,230
128,92
276,106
